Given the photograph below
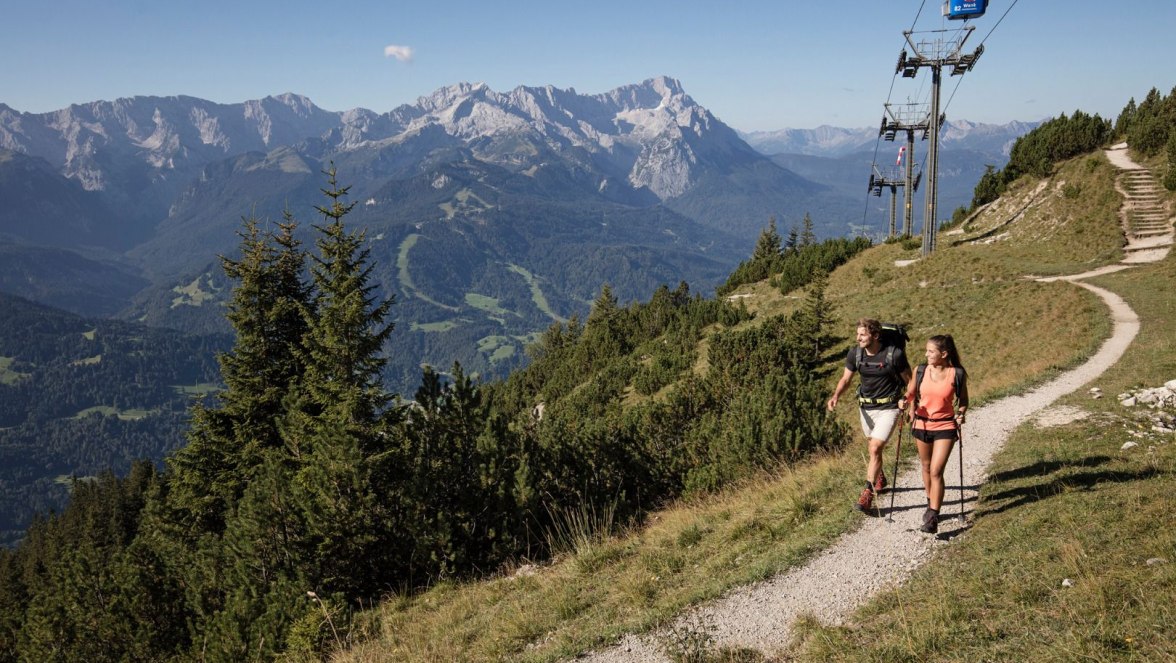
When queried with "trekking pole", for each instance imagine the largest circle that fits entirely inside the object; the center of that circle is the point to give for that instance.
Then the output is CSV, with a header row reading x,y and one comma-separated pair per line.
x,y
894,486
962,521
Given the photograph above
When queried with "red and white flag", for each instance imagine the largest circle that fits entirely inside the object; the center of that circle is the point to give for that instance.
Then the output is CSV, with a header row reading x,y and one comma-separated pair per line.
x,y
901,151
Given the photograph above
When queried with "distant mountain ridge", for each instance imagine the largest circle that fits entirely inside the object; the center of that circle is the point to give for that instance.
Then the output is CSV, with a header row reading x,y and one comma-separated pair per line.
x,y
828,141
841,158
170,133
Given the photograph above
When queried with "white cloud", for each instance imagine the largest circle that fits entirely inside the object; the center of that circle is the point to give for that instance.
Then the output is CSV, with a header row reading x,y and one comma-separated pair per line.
x,y
402,53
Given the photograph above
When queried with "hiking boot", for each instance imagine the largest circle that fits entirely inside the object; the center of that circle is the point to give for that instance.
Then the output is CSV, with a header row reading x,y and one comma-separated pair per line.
x,y
930,522
865,502
880,482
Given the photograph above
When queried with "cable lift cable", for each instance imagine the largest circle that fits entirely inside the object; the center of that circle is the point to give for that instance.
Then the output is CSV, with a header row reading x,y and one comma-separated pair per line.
x,y
889,94
998,22
1002,17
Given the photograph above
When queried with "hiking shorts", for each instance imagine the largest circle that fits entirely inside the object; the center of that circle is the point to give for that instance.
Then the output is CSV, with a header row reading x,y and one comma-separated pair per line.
x,y
878,424
932,435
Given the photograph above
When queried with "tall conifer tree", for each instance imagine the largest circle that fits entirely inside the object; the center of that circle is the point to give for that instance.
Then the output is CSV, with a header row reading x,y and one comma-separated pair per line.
x,y
768,246
807,236
337,423
266,311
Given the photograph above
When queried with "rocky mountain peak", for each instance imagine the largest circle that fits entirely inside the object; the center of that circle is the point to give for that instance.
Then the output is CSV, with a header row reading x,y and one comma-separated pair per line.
x,y
665,86
300,105
447,97
650,133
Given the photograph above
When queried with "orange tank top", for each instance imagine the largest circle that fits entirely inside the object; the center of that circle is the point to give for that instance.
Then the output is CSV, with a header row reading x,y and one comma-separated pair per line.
x,y
936,407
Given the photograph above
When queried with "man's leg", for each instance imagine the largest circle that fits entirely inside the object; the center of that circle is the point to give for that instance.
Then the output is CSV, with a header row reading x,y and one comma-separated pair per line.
x,y
877,426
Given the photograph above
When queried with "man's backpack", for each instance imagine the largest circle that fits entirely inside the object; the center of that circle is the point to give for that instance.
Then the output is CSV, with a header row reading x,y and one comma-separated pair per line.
x,y
893,336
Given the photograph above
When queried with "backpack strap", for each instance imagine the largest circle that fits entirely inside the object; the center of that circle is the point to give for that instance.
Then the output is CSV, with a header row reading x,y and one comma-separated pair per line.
x,y
957,383
920,370
960,376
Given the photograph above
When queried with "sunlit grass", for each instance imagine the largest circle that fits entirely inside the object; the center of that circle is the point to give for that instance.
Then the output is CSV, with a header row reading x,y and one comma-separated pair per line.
x,y
7,375
133,414
198,388
485,303
431,327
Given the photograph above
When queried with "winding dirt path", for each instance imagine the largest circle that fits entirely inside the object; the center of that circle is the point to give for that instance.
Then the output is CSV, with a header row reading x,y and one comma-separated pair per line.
x,y
882,553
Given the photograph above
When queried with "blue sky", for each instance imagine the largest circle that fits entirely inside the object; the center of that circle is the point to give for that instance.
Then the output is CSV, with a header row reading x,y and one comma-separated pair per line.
x,y
761,65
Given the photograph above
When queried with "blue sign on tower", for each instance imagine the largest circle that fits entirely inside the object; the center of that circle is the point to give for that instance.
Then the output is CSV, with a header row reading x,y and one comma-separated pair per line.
x,y
963,9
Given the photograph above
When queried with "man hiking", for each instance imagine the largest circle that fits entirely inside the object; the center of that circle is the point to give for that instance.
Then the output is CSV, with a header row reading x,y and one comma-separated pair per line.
x,y
881,360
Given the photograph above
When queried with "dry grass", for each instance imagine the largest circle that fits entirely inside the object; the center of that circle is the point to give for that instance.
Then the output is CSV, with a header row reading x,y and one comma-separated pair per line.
x,y
685,554
1007,329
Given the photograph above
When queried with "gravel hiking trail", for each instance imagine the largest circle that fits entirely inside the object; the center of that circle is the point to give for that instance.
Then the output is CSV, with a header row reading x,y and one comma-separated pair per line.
x,y
882,553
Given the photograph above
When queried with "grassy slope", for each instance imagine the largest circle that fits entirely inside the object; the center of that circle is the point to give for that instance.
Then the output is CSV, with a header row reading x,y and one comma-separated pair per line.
x,y
1061,503
694,551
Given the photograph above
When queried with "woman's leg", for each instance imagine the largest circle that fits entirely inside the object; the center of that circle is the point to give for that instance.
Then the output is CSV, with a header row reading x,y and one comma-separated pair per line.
x,y
939,453
925,449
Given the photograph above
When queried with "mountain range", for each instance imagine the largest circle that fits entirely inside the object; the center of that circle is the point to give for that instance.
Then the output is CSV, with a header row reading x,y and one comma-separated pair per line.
x,y
488,215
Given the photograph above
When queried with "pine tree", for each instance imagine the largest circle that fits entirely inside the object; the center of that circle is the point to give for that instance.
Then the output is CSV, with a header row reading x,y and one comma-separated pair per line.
x,y
346,329
266,311
336,428
1170,176
1126,117
816,319
254,570
807,236
462,473
605,306
606,329
989,188
767,247
790,245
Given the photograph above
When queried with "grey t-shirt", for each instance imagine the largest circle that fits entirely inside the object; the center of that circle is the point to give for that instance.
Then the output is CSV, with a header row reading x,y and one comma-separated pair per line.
x,y
879,379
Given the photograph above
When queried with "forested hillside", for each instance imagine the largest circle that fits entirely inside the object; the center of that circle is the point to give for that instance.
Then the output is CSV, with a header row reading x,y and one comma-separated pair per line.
x,y
1149,127
79,396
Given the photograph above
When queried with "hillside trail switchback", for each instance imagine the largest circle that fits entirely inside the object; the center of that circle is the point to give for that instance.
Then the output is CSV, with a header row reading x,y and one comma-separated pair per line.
x,y
881,554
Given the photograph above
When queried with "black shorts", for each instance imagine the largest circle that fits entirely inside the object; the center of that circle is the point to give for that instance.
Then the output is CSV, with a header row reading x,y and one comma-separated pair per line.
x,y
931,435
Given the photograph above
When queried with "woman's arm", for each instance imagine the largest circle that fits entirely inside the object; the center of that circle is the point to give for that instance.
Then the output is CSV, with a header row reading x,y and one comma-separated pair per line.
x,y
906,401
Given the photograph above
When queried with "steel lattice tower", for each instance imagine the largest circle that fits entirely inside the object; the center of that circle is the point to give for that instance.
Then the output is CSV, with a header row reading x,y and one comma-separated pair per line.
x,y
909,118
936,53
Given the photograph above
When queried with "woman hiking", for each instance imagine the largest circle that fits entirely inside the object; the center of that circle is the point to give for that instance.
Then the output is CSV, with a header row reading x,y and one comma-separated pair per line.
x,y
884,370
938,397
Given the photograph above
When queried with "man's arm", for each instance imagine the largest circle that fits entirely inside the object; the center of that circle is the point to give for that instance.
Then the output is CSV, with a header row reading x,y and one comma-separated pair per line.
x,y
842,385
